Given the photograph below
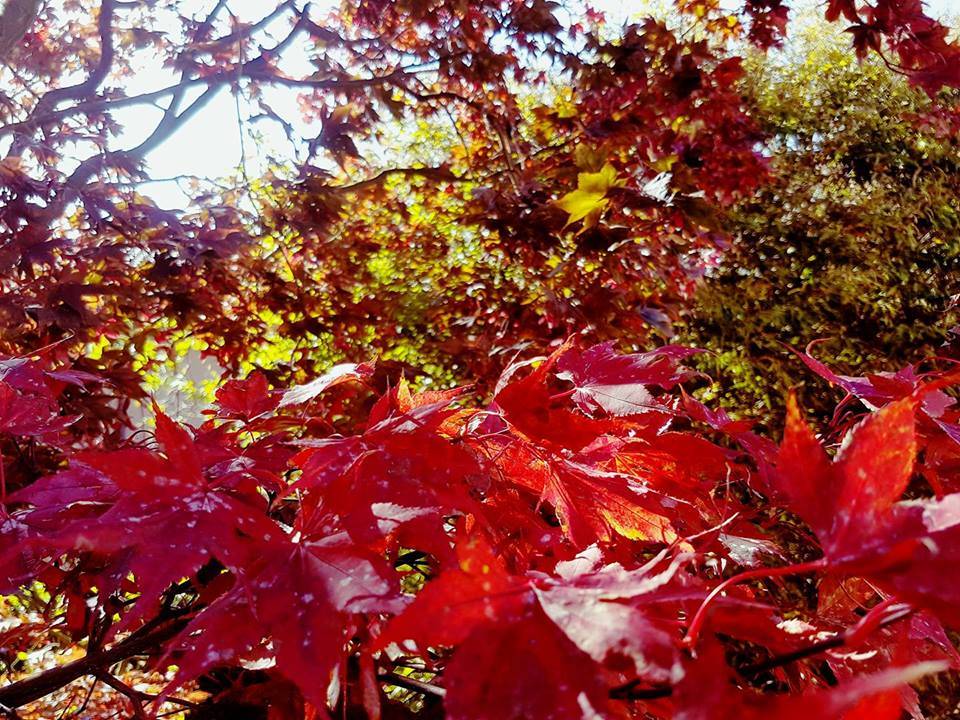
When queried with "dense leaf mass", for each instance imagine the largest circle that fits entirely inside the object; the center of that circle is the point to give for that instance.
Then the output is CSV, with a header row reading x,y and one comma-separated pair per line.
x,y
565,551
575,176
554,520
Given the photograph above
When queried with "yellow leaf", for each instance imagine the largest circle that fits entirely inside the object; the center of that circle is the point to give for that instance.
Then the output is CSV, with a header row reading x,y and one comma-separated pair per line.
x,y
590,198
664,164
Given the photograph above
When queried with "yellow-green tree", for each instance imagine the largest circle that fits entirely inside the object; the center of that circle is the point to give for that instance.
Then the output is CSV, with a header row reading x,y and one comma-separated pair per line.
x,y
855,239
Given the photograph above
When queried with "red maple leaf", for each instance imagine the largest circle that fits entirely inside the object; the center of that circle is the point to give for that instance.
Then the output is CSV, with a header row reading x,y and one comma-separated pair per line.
x,y
291,601
851,504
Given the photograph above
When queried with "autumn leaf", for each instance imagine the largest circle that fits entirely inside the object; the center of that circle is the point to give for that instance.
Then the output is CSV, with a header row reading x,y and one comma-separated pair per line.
x,y
590,199
850,498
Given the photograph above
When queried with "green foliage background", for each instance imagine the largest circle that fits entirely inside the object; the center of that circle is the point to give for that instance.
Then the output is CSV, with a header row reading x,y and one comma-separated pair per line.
x,y
855,239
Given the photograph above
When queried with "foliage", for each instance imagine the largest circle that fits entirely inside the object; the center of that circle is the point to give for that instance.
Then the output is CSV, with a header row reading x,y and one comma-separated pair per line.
x,y
92,259
580,547
854,240
573,536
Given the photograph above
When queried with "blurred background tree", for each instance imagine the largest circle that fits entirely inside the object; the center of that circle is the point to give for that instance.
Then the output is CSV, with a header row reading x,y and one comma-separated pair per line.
x,y
854,239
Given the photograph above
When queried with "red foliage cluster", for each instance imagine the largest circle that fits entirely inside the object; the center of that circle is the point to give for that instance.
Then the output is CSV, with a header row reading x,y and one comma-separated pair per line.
x,y
87,257
593,543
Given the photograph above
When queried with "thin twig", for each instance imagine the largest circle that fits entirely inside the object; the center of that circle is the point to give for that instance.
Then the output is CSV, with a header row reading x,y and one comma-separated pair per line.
x,y
413,684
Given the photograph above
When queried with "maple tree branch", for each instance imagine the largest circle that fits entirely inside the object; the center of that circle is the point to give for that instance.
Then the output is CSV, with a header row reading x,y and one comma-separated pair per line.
x,y
49,101
256,70
138,697
121,687
437,173
838,640
203,29
326,35
632,691
33,688
441,95
242,33
253,69
170,122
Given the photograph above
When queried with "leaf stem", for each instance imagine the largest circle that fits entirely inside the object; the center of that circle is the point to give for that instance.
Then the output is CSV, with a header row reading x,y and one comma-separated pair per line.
x,y
562,395
696,625
880,616
142,641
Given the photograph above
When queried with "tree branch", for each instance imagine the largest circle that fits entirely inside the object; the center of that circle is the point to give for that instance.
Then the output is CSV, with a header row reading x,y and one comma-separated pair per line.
x,y
436,173
240,34
413,684
137,697
254,70
26,691
171,121
132,695
49,101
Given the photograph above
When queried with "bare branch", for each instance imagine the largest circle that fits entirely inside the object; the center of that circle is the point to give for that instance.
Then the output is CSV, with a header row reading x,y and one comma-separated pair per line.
x,y
171,121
